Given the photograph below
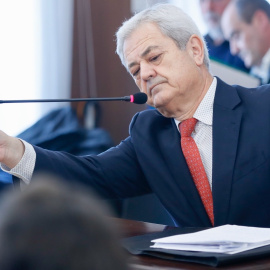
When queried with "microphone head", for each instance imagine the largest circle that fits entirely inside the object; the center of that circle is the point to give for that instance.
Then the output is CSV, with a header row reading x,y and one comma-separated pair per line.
x,y
138,98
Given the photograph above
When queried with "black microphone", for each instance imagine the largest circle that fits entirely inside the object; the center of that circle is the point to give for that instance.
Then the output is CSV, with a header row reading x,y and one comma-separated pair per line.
x,y
138,98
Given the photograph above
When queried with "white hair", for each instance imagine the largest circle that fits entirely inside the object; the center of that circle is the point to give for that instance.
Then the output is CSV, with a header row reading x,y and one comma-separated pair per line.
x,y
172,22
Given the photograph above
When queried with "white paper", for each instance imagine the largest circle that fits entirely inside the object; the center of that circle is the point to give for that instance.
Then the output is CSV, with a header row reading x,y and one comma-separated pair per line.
x,y
228,239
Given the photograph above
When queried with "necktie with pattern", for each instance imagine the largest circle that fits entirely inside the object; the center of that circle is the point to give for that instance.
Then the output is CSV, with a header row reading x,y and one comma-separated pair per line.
x,y
195,165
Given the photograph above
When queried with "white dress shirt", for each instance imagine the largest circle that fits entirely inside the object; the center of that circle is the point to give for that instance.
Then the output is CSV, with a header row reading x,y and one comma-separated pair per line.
x,y
24,169
203,132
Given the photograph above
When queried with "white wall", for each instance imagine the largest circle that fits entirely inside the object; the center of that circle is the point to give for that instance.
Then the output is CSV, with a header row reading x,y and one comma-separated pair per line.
x,y
191,7
19,54
35,53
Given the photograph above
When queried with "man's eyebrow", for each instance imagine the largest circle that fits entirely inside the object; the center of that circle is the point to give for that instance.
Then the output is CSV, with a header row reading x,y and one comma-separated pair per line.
x,y
147,51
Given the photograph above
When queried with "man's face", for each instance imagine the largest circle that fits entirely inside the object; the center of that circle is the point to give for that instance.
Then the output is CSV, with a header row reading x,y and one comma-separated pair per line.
x,y
161,70
245,38
212,11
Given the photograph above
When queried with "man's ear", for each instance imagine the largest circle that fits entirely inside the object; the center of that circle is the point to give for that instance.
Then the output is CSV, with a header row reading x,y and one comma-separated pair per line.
x,y
195,48
260,20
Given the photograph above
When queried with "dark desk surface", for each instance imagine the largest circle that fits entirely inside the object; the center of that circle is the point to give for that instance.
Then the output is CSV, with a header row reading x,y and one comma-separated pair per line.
x,y
130,228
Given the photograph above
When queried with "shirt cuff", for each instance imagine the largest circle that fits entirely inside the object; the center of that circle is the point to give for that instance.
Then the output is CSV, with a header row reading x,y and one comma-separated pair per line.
x,y
25,168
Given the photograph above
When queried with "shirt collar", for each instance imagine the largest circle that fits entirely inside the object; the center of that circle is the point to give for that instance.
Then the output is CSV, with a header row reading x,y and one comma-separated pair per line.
x,y
204,112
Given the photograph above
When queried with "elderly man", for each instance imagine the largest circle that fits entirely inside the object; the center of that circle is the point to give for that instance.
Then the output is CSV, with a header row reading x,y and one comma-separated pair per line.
x,y
218,47
246,24
204,151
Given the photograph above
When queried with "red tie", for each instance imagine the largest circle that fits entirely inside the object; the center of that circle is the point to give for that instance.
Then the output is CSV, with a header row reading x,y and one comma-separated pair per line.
x,y
195,165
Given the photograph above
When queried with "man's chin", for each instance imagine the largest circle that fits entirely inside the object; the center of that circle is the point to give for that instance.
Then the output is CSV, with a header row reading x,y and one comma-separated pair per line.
x,y
160,106
157,103
159,100
248,63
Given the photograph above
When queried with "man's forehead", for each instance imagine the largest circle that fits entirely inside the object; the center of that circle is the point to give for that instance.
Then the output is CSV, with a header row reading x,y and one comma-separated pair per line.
x,y
145,53
143,40
141,34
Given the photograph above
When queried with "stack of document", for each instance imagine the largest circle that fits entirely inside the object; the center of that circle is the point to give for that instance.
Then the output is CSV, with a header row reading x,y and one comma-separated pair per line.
x,y
229,239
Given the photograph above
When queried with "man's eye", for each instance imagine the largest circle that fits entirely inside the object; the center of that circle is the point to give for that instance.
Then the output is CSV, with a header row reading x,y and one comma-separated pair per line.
x,y
155,58
135,73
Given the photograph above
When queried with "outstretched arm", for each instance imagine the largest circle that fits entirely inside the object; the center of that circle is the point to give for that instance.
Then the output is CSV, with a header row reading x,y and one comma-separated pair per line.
x,y
11,150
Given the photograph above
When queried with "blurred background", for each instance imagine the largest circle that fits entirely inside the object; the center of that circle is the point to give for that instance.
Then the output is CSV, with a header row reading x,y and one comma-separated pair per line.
x,y
66,48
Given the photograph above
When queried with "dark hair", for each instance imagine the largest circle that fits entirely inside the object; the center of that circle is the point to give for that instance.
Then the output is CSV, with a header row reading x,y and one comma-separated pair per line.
x,y
52,225
247,8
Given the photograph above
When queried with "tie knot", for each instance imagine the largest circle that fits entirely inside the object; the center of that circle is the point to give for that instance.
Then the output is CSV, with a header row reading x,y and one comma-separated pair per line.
x,y
187,126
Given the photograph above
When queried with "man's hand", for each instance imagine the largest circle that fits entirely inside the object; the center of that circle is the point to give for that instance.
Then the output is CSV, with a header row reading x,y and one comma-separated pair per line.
x,y
11,150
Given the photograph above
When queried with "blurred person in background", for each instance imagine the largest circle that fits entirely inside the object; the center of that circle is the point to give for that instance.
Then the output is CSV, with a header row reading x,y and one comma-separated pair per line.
x,y
219,48
246,24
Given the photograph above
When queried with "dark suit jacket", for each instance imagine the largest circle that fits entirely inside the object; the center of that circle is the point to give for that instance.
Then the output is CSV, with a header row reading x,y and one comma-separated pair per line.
x,y
151,160
221,53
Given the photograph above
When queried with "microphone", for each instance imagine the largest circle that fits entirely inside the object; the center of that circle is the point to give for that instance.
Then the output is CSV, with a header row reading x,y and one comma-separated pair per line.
x,y
138,98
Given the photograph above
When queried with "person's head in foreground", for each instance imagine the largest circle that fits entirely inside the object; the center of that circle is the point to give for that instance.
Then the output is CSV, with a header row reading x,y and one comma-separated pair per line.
x,y
52,225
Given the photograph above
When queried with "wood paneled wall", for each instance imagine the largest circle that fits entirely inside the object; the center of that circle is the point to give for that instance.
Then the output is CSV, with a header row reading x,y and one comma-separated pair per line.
x,y
97,70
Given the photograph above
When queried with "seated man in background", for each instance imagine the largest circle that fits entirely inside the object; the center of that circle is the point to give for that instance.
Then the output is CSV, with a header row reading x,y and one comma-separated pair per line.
x,y
246,24
52,225
218,47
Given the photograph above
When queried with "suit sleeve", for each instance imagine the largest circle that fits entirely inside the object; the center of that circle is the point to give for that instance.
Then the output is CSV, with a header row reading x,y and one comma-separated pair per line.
x,y
115,173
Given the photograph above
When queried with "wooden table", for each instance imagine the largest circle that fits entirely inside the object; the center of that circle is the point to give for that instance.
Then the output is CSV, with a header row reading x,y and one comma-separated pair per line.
x,y
130,228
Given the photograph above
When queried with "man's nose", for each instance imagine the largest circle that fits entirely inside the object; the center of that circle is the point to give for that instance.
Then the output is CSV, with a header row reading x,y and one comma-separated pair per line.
x,y
147,71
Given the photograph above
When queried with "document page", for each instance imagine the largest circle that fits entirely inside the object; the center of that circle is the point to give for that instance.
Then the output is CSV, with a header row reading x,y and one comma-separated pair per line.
x,y
229,239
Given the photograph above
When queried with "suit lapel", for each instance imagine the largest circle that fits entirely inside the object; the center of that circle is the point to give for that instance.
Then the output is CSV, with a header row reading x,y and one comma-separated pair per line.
x,y
226,126
176,163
